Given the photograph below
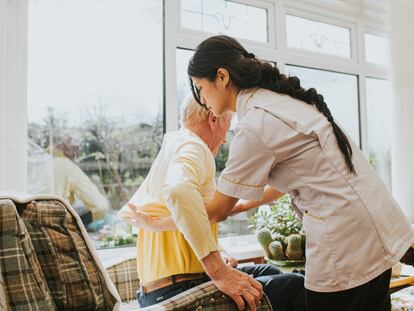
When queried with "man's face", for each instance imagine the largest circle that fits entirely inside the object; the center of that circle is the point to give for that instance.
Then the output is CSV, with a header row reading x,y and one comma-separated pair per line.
x,y
219,133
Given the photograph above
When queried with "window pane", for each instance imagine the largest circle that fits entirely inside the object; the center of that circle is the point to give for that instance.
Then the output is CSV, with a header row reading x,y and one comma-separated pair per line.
x,y
225,17
379,111
376,49
320,37
94,104
183,85
340,92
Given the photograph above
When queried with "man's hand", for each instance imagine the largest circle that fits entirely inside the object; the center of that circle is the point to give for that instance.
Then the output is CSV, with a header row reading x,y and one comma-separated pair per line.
x,y
230,260
239,286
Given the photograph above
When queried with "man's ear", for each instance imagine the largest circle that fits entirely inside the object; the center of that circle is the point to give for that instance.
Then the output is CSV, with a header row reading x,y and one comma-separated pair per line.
x,y
223,77
212,120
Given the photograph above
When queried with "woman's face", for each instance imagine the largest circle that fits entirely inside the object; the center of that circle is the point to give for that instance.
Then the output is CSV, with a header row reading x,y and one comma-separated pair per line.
x,y
217,95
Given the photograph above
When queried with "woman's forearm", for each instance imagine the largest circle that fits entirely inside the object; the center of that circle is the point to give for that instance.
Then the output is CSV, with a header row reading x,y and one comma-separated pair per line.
x,y
220,207
270,194
144,221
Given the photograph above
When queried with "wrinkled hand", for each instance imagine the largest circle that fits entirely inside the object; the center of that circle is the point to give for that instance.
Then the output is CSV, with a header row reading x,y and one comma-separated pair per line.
x,y
239,286
141,220
230,261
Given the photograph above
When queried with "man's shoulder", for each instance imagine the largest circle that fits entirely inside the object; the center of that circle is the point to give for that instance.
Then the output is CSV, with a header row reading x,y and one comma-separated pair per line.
x,y
186,142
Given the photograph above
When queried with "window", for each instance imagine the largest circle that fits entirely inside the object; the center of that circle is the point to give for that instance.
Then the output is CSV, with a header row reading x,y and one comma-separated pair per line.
x,y
319,37
95,97
340,92
96,83
183,84
225,17
379,111
376,49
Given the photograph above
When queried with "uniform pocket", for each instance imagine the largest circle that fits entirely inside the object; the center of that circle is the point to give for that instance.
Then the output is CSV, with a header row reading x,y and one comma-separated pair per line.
x,y
320,262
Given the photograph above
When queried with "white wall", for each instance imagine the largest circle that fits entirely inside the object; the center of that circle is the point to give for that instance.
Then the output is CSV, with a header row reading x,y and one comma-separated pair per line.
x,y
402,60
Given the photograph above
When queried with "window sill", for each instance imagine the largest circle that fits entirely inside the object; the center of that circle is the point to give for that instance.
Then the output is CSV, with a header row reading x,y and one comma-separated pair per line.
x,y
242,247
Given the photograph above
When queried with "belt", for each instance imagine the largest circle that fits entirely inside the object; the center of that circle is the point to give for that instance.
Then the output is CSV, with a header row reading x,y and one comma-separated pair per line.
x,y
170,280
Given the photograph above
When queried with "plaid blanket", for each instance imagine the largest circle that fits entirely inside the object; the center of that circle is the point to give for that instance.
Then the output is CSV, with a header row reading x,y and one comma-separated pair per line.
x,y
47,261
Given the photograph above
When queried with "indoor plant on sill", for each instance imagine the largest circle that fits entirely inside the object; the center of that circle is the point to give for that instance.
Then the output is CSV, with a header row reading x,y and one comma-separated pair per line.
x,y
280,233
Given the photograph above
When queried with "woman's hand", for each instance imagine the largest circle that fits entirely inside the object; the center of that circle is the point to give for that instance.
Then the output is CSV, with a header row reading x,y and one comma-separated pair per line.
x,y
141,220
239,208
145,222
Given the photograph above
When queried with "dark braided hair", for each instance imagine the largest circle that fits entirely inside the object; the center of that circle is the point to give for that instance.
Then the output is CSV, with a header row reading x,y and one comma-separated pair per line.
x,y
246,71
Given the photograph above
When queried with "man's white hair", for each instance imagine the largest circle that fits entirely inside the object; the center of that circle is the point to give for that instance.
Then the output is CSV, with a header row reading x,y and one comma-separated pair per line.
x,y
191,111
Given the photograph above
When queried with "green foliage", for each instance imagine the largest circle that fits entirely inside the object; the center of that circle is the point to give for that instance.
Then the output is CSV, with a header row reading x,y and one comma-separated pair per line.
x,y
117,240
280,219
117,236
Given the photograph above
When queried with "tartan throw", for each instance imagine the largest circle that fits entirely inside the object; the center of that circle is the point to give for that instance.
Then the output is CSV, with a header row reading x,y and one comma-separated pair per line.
x,y
47,261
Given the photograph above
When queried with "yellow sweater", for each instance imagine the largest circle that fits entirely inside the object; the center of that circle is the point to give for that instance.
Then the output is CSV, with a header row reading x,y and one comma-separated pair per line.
x,y
161,254
181,181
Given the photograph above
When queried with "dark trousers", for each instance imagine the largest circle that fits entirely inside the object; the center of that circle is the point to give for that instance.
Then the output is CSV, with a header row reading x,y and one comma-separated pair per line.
x,y
285,290
371,296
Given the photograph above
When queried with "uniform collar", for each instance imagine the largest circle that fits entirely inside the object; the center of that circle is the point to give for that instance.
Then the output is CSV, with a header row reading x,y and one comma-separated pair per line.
x,y
244,100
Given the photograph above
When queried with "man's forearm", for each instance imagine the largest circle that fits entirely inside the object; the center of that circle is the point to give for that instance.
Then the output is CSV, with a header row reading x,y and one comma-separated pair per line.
x,y
214,265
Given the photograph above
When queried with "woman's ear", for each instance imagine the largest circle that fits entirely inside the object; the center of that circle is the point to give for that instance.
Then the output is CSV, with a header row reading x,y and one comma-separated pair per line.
x,y
212,120
223,77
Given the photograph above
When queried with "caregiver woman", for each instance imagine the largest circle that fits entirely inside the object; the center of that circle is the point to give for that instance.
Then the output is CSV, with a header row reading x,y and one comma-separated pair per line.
x,y
288,139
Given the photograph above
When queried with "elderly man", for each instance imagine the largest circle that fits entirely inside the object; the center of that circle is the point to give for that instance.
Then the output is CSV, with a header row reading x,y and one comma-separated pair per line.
x,y
181,181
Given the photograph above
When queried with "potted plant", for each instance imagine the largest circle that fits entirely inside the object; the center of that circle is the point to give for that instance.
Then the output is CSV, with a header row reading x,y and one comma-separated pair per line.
x,y
280,233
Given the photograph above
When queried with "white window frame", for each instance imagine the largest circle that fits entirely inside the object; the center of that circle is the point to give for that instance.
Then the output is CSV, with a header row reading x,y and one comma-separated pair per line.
x,y
330,21
344,14
270,7
13,90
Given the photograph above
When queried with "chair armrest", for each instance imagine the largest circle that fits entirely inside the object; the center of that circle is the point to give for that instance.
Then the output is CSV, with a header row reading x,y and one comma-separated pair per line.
x,y
124,275
203,297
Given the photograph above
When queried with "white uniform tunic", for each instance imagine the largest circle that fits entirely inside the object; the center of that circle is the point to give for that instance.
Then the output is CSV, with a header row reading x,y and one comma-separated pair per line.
x,y
355,229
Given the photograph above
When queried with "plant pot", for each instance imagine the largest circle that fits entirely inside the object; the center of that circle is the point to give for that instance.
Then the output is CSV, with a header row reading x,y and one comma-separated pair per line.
x,y
286,263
